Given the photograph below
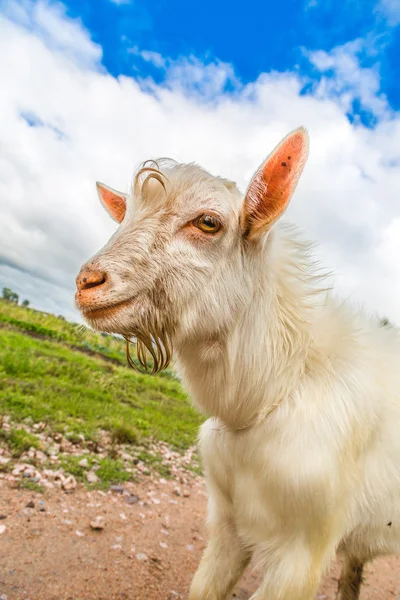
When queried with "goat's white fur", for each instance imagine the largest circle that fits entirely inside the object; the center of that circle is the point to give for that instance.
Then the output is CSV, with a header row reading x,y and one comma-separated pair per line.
x,y
302,450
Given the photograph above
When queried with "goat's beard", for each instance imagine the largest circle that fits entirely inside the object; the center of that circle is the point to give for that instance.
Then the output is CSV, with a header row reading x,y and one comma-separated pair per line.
x,y
154,342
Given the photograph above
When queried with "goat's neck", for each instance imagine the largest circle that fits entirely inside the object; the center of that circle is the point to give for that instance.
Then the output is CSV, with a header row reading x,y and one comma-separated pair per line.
x,y
240,377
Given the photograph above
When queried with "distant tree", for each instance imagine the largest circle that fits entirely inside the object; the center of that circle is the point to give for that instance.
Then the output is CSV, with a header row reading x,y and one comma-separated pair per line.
x,y
385,323
9,295
25,303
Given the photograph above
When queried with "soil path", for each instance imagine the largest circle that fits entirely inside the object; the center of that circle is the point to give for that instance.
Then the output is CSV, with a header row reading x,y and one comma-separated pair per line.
x,y
148,549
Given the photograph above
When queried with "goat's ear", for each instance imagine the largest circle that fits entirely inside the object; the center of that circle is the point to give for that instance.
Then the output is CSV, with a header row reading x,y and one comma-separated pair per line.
x,y
114,202
273,184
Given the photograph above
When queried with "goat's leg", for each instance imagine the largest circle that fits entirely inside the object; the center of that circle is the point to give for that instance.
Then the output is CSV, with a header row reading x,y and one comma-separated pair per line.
x,y
351,579
291,571
223,562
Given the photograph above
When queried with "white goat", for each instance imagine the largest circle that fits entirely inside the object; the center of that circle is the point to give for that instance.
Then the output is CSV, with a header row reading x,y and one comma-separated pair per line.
x,y
302,448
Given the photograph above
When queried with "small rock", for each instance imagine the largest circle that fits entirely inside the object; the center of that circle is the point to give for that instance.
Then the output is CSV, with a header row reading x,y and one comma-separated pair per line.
x,y
40,456
186,494
132,499
84,463
4,460
141,556
19,469
98,523
163,545
30,504
2,529
92,477
190,547
3,597
123,516
79,533
119,489
2,517
176,491
69,483
125,456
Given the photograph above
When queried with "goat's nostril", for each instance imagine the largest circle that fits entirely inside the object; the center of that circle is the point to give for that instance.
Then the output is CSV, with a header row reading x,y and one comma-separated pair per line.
x,y
90,280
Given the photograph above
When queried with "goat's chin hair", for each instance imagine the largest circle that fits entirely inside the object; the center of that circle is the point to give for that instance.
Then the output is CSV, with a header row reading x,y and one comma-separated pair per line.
x,y
154,343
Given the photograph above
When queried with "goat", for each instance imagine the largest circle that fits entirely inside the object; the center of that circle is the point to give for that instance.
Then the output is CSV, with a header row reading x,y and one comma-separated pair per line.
x,y
301,450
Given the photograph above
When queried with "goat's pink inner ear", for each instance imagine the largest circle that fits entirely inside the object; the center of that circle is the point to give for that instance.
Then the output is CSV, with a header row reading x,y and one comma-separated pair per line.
x,y
273,184
114,202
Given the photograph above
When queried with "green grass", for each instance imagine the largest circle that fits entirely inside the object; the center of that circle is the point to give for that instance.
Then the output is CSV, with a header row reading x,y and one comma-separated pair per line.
x,y
76,336
47,376
19,441
155,462
109,470
28,484
49,382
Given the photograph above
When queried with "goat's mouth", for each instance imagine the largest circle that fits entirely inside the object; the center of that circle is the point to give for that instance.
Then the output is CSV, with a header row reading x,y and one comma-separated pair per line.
x,y
103,312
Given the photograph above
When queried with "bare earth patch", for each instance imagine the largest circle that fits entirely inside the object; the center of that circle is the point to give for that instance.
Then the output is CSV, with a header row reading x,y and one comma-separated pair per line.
x,y
147,547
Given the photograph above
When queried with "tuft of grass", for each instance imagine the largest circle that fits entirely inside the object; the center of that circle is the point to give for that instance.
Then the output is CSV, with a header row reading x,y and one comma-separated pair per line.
x,y
111,472
122,433
28,484
69,463
155,461
20,441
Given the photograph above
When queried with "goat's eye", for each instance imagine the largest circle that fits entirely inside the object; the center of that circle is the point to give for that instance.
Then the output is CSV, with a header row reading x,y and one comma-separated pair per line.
x,y
208,223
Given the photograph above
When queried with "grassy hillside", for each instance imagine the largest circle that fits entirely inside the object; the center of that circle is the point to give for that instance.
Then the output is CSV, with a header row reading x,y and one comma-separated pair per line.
x,y
77,384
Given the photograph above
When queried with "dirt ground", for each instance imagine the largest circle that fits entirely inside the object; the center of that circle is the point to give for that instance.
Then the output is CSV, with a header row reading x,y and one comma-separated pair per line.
x,y
149,548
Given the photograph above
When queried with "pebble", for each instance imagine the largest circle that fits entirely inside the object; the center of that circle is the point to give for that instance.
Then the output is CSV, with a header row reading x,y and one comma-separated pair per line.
x,y
92,477
176,491
19,469
132,499
2,529
3,597
141,556
163,545
69,484
165,522
98,523
40,456
119,489
84,463
79,533
30,504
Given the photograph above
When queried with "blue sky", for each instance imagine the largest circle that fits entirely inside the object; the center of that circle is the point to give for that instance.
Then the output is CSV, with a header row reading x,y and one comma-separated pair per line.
x,y
254,37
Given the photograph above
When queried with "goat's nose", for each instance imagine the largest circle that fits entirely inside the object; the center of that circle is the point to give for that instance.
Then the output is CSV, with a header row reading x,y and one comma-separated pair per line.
x,y
89,279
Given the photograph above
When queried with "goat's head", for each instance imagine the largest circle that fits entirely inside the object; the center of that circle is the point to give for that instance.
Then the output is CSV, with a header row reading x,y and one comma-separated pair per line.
x,y
175,266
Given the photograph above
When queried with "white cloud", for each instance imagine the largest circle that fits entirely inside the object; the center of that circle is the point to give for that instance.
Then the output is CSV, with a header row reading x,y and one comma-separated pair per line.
x,y
350,80
66,123
155,58
391,10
